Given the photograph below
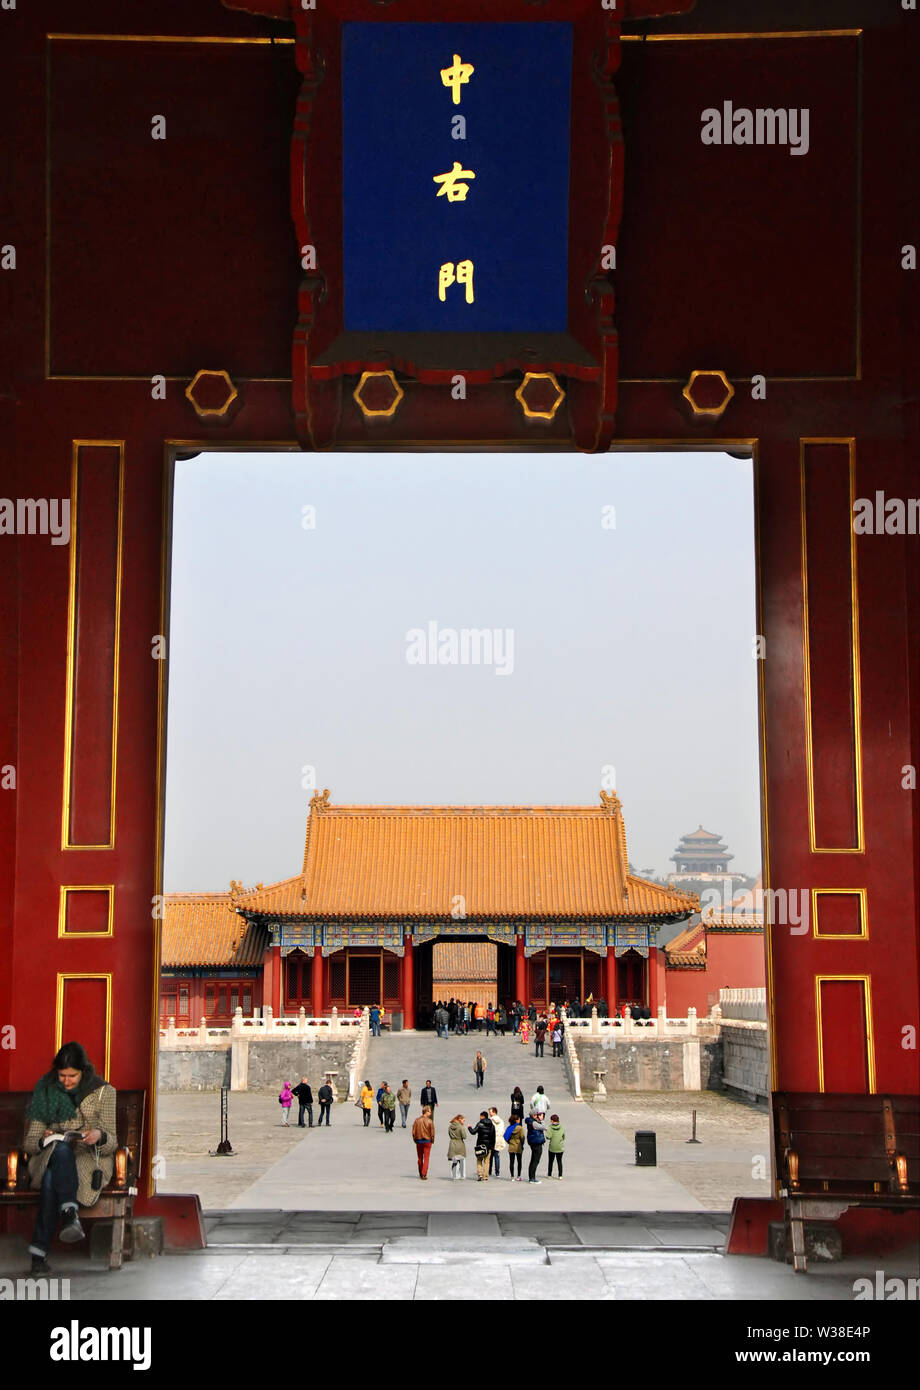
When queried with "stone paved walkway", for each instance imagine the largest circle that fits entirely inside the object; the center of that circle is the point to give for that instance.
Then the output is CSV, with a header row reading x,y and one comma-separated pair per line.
x,y
347,1168
397,1272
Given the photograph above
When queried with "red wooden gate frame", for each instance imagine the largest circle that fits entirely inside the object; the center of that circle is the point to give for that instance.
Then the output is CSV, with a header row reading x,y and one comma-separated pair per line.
x,y
82,694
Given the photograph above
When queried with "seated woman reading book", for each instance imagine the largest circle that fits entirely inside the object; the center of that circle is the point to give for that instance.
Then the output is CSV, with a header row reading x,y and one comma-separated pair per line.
x,y
70,1140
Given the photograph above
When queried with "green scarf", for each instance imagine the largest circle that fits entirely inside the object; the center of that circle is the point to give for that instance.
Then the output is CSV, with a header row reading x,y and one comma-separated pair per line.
x,y
52,1104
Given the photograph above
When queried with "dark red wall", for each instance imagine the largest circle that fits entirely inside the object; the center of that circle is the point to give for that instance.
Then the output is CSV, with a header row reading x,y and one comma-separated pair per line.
x,y
167,257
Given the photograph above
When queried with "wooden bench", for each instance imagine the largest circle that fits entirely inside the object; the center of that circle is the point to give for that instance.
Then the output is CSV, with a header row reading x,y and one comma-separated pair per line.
x,y
836,1151
115,1201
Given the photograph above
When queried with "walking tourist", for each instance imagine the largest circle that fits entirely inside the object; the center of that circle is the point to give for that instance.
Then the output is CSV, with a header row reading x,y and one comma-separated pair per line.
x,y
389,1110
429,1098
70,1136
464,1023
366,1100
525,1030
514,1138
557,1039
484,1132
501,1019
517,1102
536,1138
325,1097
423,1137
555,1137
539,1037
479,1014
532,1012
304,1101
375,1021
479,1070
441,1021
495,1156
286,1100
456,1148
404,1096
539,1102
381,1091
517,1013
452,1015
490,1019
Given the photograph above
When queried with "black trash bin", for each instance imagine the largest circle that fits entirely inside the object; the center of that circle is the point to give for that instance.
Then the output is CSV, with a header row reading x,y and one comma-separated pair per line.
x,y
646,1155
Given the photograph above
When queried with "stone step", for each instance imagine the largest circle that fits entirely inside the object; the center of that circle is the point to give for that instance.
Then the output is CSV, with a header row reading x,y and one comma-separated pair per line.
x,y
503,1250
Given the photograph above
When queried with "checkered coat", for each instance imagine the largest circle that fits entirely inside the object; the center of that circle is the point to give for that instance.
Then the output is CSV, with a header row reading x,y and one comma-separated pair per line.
x,y
95,1111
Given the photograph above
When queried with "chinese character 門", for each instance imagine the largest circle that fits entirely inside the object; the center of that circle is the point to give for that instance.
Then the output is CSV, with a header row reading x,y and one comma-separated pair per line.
x,y
457,76
452,184
449,275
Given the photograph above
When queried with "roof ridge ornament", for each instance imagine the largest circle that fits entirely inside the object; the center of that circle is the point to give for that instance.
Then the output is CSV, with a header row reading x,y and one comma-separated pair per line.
x,y
319,802
611,802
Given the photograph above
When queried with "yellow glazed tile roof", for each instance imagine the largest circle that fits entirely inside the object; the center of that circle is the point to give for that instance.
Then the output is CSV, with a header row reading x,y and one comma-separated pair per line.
x,y
487,861
203,929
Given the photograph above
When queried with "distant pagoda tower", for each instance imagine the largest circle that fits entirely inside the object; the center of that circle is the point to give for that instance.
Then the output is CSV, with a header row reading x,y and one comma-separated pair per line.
x,y
700,853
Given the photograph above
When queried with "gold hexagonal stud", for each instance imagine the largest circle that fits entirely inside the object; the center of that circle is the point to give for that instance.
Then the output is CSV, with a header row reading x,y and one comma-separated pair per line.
x,y
378,395
211,394
540,401
708,393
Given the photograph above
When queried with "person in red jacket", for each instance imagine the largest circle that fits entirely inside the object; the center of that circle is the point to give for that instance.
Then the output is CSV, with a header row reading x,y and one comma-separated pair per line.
x,y
423,1138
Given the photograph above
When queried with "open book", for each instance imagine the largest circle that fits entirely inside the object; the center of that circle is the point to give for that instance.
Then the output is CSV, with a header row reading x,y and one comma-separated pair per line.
x,y
74,1135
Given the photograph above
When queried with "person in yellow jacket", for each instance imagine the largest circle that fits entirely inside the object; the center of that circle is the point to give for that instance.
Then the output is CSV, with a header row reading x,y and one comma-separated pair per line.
x,y
366,1100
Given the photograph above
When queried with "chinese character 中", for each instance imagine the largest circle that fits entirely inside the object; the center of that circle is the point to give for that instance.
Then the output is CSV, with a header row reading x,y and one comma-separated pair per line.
x,y
463,276
457,76
452,184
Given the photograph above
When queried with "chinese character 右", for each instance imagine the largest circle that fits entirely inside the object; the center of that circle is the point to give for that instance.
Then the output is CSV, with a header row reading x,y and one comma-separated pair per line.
x,y
452,184
457,76
463,276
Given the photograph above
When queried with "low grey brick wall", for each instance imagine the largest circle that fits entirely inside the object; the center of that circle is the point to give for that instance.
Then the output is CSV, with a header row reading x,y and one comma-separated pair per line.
x,y
270,1063
746,1058
193,1069
647,1066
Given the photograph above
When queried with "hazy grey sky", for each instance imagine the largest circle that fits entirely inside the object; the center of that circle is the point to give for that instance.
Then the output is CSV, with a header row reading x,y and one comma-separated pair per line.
x,y
632,646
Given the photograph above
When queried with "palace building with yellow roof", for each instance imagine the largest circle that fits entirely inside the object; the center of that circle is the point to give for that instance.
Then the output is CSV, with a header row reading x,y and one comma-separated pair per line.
x,y
403,905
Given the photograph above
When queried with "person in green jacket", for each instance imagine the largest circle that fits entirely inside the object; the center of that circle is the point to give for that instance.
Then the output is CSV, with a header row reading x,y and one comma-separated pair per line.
x,y
555,1135
389,1110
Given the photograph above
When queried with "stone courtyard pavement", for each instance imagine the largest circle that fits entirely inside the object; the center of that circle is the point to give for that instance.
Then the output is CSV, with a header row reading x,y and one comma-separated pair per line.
x,y
346,1168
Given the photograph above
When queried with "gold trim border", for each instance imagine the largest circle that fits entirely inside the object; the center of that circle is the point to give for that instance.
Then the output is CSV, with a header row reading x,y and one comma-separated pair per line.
x,y
66,888
860,846
76,446
866,982
861,935
62,978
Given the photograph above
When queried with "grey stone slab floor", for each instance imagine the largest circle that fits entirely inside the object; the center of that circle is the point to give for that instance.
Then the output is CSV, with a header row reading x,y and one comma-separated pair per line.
x,y
345,1167
291,1274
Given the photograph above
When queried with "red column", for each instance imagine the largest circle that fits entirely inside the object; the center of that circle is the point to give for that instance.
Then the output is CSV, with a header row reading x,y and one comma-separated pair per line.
x,y
408,984
277,967
611,985
656,981
520,970
316,988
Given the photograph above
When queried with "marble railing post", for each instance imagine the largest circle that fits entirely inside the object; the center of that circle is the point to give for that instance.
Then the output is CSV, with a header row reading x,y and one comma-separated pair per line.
x,y
203,1031
170,1032
595,1023
691,1021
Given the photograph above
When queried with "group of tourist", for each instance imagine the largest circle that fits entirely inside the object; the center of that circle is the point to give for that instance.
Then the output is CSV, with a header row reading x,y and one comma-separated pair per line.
x,y
304,1095
492,1136
458,1018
